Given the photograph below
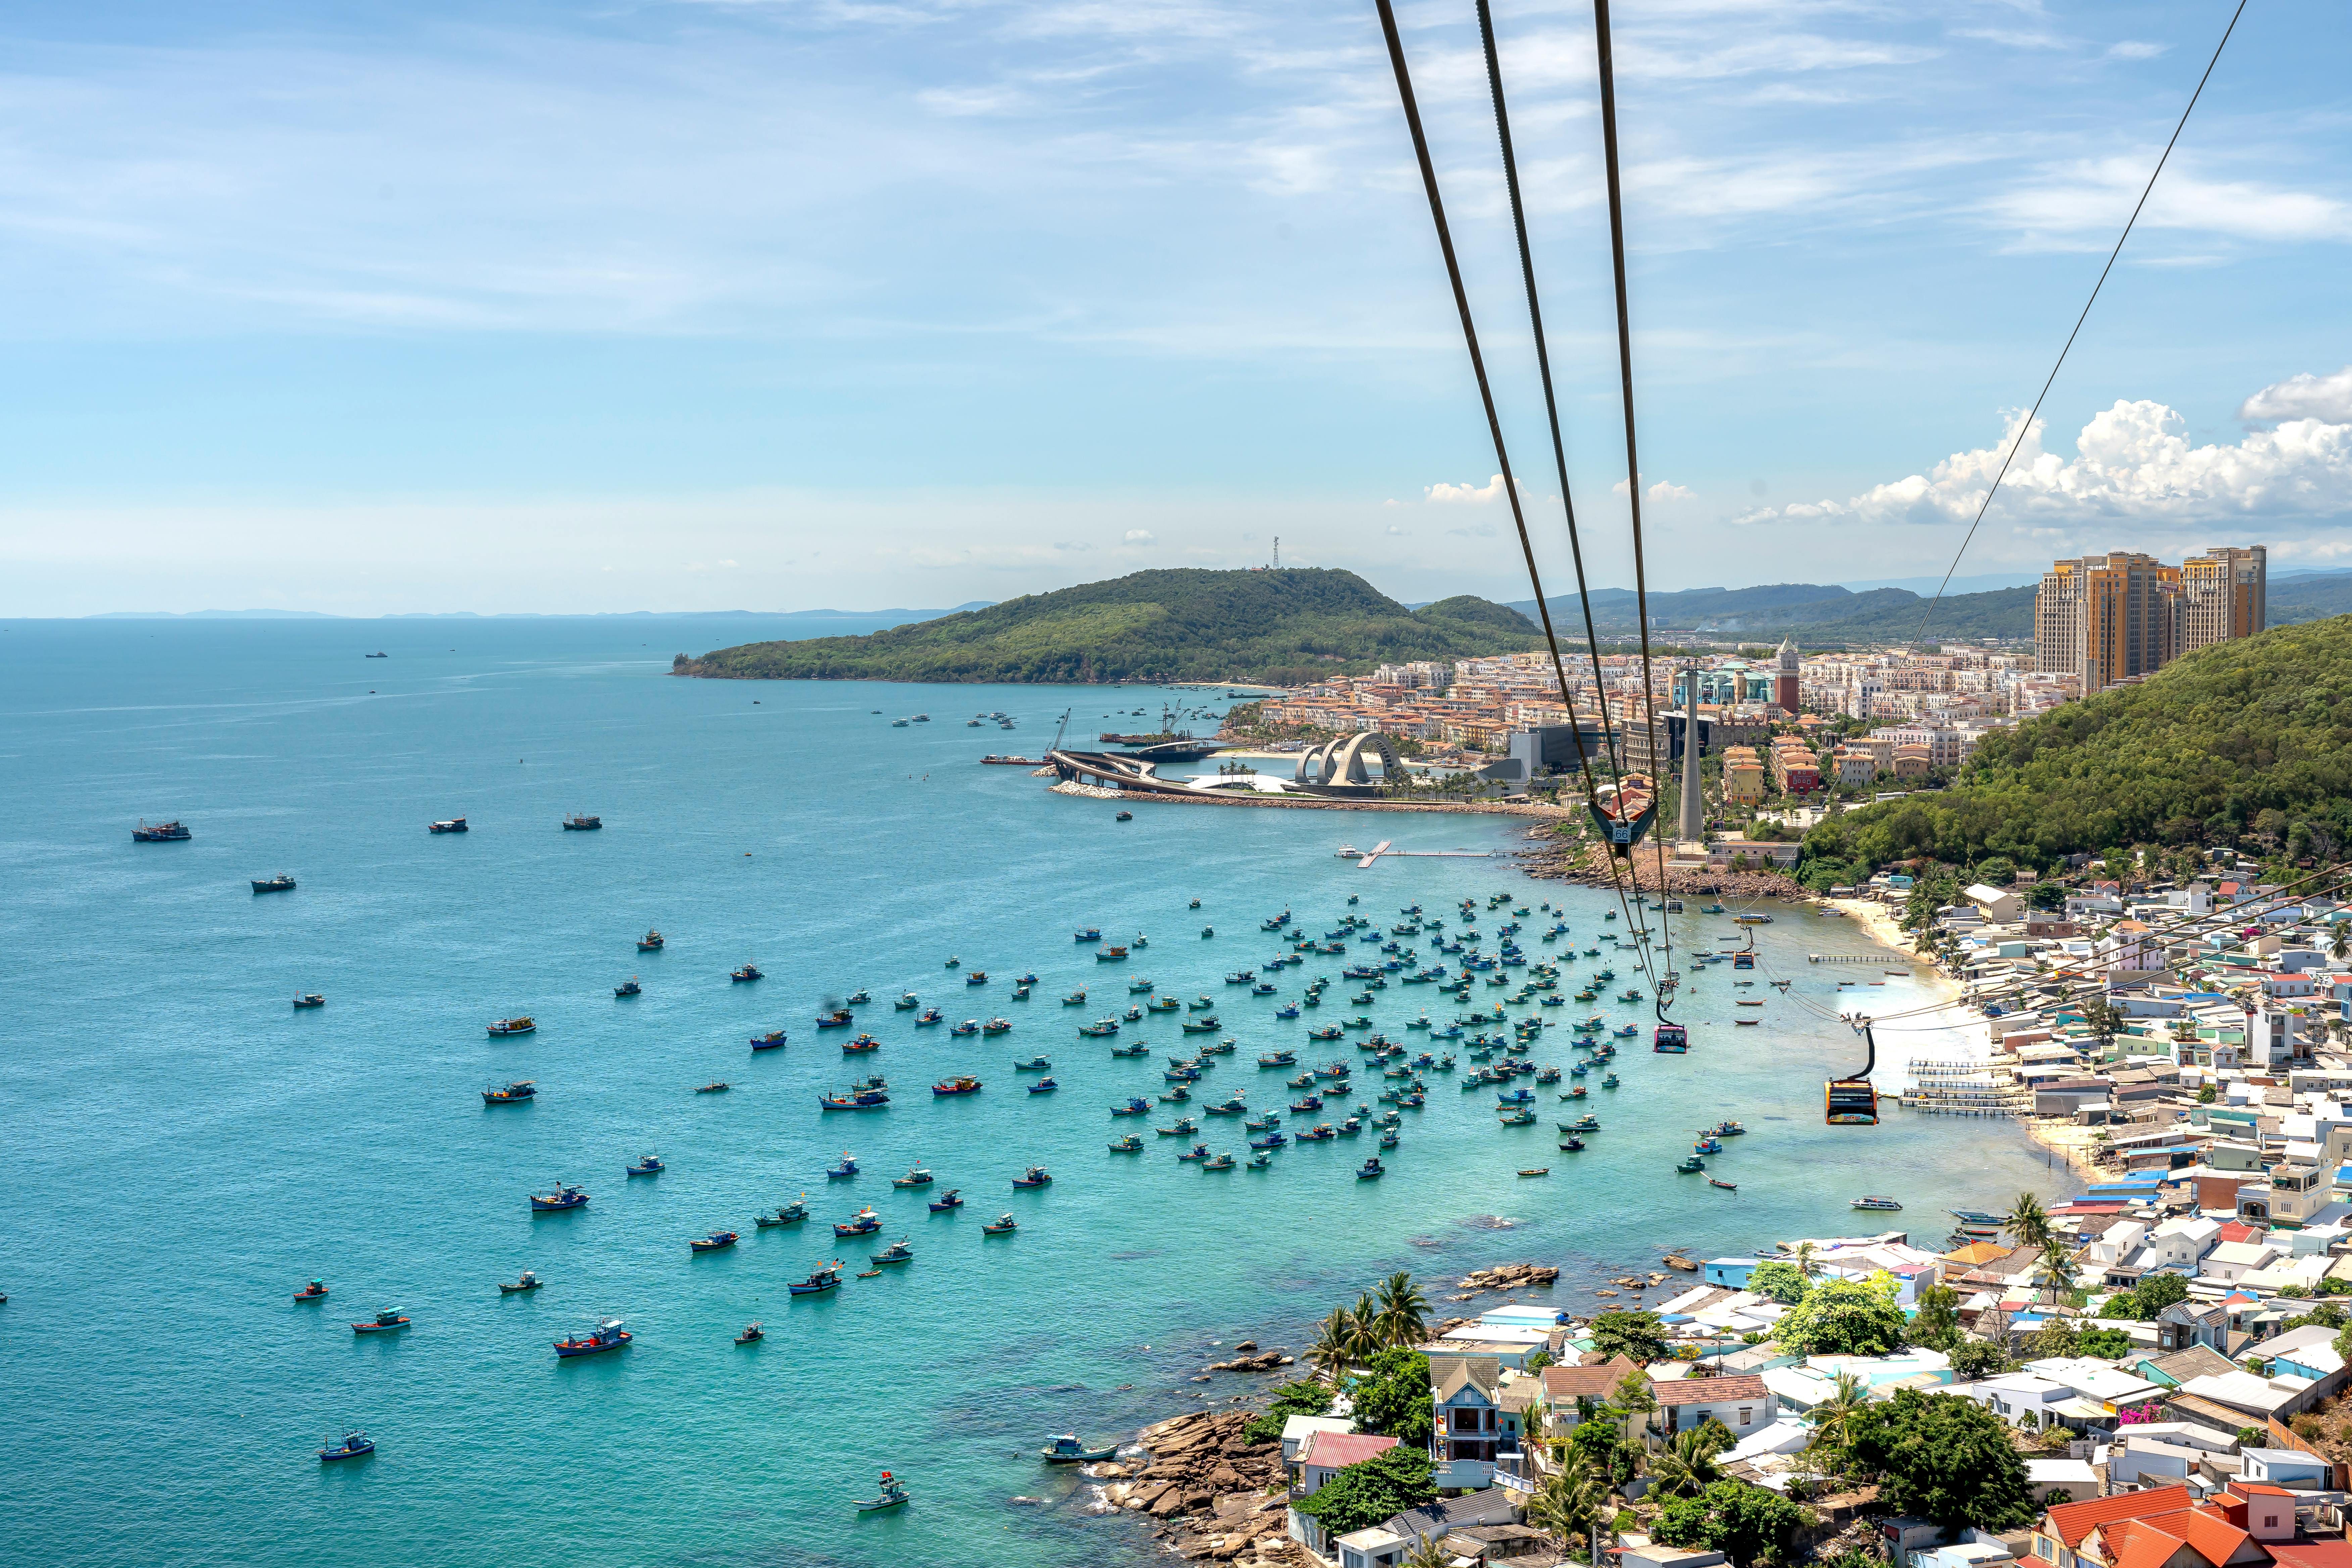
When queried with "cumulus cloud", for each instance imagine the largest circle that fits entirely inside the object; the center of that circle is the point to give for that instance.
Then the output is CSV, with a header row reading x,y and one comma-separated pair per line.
x,y
1661,492
2327,398
1465,495
2132,464
1395,533
1141,536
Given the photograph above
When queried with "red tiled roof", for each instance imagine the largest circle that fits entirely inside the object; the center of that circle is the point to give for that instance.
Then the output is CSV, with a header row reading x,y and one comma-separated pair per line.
x,y
1708,1390
1336,1450
2073,1521
2214,1537
2310,1554
1596,1381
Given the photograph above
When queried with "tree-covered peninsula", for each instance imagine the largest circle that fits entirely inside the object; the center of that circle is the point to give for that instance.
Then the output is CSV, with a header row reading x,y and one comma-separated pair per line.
x,y
1281,626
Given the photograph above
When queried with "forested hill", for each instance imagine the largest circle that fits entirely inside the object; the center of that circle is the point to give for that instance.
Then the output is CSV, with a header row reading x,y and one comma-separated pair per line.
x,y
1813,612
1283,627
2243,741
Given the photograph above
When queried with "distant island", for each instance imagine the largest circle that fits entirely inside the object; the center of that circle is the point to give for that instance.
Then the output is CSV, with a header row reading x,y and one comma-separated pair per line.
x,y
1279,627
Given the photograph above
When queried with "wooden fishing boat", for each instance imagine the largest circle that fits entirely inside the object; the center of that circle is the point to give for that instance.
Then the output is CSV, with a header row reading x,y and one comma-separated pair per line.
x,y
355,1444
893,1496
751,1335
1004,1226
717,1241
524,1286
383,1323
315,1291
1538,1171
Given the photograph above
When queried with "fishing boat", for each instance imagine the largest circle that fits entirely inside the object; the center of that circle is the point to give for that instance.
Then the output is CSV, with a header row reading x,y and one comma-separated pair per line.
x,y
864,1221
1205,1026
1111,956
893,1496
1044,1086
839,1018
748,972
1538,1171
1034,1177
513,1026
751,1335
1691,1164
1003,1226
1389,1138
354,1444
1185,1127
969,1026
963,1083
315,1291
650,1165
1875,1204
1966,1216
628,987
843,1172
917,1177
907,1001
562,1197
1372,1170
716,1086
996,1026
1727,1129
383,1323
1321,1132
791,1214
1218,1162
853,1099
1129,1144
652,942
948,1201
1090,933
1726,1186
576,822
896,1252
717,1241
607,1335
975,977
1609,1082
1571,1143
449,825
161,833
825,1278
309,999
772,1040
1519,1117
511,1094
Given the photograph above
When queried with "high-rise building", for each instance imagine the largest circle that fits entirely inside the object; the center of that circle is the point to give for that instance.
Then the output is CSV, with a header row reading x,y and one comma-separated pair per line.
x,y
1784,680
2105,618
2224,595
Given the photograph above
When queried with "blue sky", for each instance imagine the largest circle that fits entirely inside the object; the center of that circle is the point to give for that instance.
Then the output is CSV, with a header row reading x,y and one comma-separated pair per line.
x,y
776,305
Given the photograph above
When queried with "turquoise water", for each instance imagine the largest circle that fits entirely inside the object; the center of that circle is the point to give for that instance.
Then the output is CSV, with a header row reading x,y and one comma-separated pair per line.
x,y
186,1149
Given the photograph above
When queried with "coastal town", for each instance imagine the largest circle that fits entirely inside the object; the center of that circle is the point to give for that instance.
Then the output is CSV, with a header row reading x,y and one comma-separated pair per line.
x,y
2150,1372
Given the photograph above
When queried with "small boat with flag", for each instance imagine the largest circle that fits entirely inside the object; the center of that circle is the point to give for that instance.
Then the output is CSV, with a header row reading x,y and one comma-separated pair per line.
x,y
893,1495
791,1214
863,1222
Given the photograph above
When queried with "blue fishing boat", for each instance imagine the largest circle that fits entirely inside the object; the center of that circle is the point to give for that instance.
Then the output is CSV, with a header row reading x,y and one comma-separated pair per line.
x,y
650,1165
1043,1086
1136,1106
1271,1140
896,1252
748,972
561,1198
1197,1151
927,1016
1372,1170
1035,1176
1129,1144
1136,1049
860,1223
354,1445
1089,934
825,1278
1307,1104
791,1214
853,1099
847,1168
767,1042
717,1241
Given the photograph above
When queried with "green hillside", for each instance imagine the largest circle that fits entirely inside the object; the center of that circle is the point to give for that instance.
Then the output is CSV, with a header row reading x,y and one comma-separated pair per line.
x,y
1275,626
1815,614
2242,740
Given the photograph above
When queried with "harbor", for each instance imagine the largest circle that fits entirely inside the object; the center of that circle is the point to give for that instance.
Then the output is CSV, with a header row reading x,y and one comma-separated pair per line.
x,y
403,1187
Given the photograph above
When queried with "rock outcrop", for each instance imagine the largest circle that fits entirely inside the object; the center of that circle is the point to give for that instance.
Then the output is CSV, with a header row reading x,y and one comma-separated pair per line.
x,y
1219,1492
1510,1277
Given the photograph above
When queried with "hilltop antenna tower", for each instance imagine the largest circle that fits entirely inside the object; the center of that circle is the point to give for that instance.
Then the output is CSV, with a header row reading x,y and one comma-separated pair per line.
x,y
1277,553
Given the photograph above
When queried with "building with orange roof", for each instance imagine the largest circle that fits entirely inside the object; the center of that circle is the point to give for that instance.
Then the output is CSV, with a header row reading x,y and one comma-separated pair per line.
x,y
2243,1525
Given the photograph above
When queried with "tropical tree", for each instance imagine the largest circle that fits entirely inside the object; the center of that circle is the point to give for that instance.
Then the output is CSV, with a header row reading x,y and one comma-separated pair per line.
x,y
1403,1314
2027,1225
1392,1397
1781,1281
1843,1317
1329,1354
2055,1273
1364,1339
1944,1458
1937,1323
1686,1466
1834,1417
1427,1555
1741,1522
1636,1335
1377,1489
1568,1503
1807,1264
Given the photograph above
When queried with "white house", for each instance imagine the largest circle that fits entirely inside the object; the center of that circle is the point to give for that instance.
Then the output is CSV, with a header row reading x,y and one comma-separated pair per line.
x,y
1745,1405
1297,1429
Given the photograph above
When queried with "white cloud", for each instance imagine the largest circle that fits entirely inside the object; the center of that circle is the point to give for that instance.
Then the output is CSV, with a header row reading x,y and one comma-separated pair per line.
x,y
2082,203
2305,397
1141,536
1465,495
2134,49
2132,464
1395,533
1661,492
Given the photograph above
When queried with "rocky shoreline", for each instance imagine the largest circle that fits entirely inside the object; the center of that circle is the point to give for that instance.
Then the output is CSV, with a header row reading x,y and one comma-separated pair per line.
x,y
1586,866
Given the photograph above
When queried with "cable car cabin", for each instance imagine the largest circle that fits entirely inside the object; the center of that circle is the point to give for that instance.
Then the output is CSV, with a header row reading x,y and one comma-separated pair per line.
x,y
1671,1038
1743,961
1851,1102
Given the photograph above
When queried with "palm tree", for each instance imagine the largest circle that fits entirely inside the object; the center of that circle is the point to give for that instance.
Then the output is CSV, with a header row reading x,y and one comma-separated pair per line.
x,y
2055,1272
1403,1311
1364,1339
1834,1417
1806,1266
1685,1466
1568,1503
2027,1225
1328,1353
2343,948
1428,1554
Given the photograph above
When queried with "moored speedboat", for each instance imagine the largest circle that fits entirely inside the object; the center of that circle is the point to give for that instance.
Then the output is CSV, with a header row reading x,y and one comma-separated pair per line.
x,y
607,1335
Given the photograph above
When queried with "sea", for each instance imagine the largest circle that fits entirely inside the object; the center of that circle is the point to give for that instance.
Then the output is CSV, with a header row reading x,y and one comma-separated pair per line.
x,y
186,1149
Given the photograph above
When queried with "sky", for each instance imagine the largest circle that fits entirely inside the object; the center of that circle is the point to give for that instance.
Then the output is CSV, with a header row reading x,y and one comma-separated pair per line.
x,y
781,304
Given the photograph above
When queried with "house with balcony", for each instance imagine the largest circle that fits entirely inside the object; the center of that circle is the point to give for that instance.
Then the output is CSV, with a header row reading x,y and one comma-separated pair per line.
x,y
1321,1456
1473,1427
